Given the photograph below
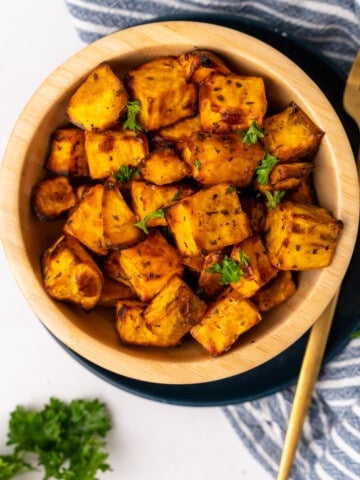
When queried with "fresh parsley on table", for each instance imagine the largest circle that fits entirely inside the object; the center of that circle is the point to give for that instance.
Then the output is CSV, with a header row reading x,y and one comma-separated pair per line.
x,y
65,439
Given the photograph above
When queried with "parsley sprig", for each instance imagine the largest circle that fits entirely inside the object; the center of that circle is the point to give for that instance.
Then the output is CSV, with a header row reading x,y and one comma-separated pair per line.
x,y
133,109
264,169
229,269
142,224
125,173
67,440
273,199
253,133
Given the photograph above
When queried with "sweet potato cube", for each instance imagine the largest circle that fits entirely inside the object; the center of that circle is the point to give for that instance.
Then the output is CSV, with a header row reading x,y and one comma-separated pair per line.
x,y
131,326
198,64
149,265
209,282
301,236
226,318
70,273
99,102
67,153
276,291
176,135
108,151
257,269
85,221
173,311
118,218
147,198
112,268
214,158
163,166
228,103
52,198
163,92
114,291
291,135
304,192
208,220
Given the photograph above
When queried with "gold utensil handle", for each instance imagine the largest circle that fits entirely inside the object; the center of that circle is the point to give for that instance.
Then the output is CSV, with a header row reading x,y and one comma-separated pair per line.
x,y
308,375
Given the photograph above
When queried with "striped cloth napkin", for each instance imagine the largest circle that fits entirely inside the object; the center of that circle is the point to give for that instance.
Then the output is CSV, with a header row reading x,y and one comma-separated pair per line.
x,y
330,445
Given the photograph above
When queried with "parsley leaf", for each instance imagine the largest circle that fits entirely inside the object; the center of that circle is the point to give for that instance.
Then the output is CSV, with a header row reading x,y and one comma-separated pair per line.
x,y
142,224
125,173
229,269
274,198
253,133
67,440
244,258
177,195
264,169
12,465
133,109
197,164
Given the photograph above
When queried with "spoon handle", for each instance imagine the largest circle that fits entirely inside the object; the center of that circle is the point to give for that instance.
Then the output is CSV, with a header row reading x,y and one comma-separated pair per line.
x,y
307,378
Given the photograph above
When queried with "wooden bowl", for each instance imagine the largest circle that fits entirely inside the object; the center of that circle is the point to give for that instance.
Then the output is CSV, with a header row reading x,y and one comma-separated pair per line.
x,y
92,335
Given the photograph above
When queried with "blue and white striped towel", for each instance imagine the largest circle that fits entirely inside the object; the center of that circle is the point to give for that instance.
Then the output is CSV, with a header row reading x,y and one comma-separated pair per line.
x,y
330,445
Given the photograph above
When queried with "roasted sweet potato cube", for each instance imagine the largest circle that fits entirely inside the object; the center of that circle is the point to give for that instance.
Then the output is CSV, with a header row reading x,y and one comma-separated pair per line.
x,y
255,209
113,291
304,192
52,198
118,218
147,198
131,326
177,135
214,158
112,268
257,268
67,153
301,236
225,319
99,102
195,264
163,92
198,64
209,282
108,151
163,166
70,273
149,265
230,103
286,176
276,291
85,221
209,220
291,135
173,311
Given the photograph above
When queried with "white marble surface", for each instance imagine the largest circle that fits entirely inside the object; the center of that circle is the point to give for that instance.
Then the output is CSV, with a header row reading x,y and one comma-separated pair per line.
x,y
149,440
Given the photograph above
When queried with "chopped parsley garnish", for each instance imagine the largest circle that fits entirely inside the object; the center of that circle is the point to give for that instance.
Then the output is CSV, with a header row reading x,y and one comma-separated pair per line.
x,y
66,440
177,195
125,173
253,133
273,199
133,109
244,258
264,169
142,224
229,269
197,164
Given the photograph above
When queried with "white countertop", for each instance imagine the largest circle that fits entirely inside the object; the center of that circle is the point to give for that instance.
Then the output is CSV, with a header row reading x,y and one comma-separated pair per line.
x,y
149,440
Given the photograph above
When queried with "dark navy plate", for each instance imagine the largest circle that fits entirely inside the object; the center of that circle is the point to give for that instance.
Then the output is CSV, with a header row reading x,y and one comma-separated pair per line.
x,y
282,371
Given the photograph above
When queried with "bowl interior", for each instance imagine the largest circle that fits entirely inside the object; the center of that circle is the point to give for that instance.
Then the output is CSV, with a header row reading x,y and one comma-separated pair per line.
x,y
92,335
